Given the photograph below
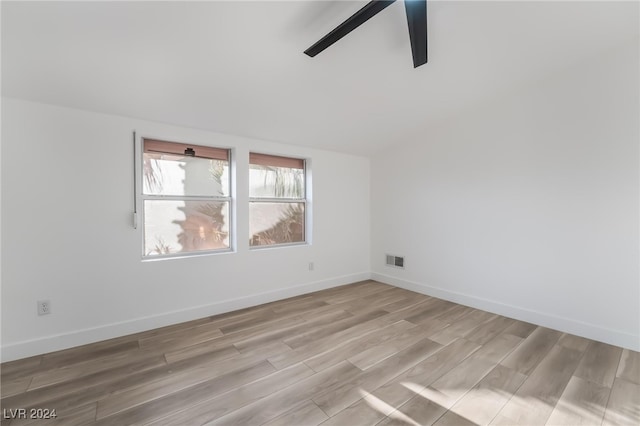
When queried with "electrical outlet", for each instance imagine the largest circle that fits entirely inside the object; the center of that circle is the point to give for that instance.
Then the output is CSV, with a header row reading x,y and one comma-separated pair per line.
x,y
44,307
311,266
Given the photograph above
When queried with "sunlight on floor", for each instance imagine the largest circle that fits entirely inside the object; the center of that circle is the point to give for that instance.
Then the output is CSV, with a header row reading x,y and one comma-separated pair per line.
x,y
376,403
486,405
386,409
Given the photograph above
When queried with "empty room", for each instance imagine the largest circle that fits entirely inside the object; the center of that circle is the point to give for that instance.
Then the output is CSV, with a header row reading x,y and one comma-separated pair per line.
x,y
320,213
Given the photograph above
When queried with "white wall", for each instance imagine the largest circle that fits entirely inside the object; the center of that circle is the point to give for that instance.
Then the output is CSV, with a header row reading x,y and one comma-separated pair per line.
x,y
526,206
67,195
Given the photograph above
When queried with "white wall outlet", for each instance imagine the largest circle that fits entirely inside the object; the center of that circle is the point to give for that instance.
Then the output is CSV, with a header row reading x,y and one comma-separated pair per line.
x,y
44,307
311,266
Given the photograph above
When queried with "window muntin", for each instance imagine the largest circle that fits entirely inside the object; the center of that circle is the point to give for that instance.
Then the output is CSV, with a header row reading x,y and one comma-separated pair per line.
x,y
277,194
186,198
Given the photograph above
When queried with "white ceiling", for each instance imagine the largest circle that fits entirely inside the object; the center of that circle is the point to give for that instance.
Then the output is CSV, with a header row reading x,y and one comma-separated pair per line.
x,y
238,67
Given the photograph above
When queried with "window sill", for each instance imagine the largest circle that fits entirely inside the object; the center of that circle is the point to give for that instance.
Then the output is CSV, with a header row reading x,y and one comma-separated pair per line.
x,y
276,246
186,255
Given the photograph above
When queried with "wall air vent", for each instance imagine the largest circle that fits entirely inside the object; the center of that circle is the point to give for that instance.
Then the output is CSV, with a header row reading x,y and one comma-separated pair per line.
x,y
395,261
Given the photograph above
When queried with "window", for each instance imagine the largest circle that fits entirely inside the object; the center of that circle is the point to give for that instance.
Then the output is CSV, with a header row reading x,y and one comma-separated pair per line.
x,y
186,198
278,204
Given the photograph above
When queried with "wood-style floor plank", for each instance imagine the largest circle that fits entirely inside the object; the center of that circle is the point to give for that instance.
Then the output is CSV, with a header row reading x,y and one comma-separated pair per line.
x,y
431,309
358,346
489,329
464,326
133,397
369,410
521,329
145,409
307,414
416,306
629,368
375,354
414,380
21,368
452,419
297,327
92,351
210,407
378,300
574,342
346,392
582,403
534,401
324,330
278,403
417,411
90,366
433,398
600,363
482,403
623,407
334,342
91,388
533,350
449,388
366,289
408,302
16,386
359,354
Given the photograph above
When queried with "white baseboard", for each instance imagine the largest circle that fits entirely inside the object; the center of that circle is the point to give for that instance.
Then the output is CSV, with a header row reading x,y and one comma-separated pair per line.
x,y
47,344
80,337
567,325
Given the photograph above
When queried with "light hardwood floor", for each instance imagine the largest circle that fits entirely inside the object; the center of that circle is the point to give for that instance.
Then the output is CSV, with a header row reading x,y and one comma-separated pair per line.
x,y
362,354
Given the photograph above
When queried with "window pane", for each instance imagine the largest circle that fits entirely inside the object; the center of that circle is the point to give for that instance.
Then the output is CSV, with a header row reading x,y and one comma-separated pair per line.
x,y
276,182
185,226
276,223
168,174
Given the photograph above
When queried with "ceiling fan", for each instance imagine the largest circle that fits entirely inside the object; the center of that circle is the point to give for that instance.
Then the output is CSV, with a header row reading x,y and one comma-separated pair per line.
x,y
416,19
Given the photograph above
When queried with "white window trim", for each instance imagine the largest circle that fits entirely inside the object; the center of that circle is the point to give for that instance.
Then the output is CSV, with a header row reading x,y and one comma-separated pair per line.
x,y
138,218
306,200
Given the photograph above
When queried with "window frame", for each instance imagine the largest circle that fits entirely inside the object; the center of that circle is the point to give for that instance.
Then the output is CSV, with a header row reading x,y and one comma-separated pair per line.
x,y
305,200
142,198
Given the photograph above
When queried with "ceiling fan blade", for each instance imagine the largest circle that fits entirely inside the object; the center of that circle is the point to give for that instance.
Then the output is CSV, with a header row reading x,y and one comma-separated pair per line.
x,y
417,21
357,19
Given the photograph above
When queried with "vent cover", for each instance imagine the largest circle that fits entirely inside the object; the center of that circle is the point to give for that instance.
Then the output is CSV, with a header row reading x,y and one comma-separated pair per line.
x,y
395,261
